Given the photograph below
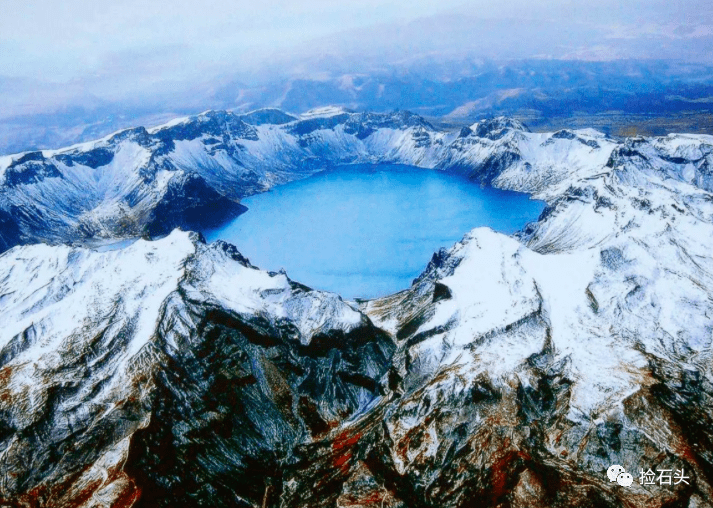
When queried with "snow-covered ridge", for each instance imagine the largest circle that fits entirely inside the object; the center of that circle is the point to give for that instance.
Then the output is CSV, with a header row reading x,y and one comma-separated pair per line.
x,y
584,344
113,187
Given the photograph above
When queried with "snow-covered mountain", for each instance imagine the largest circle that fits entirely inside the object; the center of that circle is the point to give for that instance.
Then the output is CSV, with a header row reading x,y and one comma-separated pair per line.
x,y
513,372
193,171
109,347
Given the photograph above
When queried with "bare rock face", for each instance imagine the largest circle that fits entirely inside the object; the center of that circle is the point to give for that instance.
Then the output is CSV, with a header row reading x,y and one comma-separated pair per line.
x,y
512,373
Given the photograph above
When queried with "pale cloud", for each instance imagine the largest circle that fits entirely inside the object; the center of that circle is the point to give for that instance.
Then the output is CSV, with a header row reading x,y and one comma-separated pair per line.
x,y
59,40
660,30
133,48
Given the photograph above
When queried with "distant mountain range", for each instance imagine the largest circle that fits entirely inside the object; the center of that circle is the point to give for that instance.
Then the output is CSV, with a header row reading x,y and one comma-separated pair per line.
x,y
616,97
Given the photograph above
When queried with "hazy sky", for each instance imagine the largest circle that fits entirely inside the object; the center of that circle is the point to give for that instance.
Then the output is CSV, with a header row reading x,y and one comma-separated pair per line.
x,y
61,40
112,50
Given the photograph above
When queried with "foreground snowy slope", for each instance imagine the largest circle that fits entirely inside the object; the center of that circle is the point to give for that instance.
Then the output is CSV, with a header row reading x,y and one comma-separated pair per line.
x,y
114,362
528,366
513,372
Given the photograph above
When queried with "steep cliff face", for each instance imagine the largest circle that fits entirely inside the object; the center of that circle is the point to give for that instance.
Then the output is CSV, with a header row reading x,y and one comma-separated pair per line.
x,y
513,372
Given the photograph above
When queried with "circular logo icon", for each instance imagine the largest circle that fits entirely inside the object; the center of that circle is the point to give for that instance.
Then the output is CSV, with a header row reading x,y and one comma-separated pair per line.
x,y
614,471
625,479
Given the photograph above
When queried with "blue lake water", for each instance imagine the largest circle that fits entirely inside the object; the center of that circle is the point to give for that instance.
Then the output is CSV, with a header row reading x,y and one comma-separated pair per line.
x,y
367,230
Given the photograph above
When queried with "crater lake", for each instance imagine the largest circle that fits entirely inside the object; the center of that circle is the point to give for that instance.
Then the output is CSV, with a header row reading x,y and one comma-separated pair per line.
x,y
365,231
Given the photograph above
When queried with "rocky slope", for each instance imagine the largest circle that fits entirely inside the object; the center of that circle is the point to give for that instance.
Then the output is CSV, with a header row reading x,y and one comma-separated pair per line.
x,y
168,373
513,372
529,368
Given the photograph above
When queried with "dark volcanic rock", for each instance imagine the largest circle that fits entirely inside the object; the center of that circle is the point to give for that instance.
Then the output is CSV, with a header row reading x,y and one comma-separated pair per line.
x,y
189,203
30,168
215,123
94,158
10,234
496,128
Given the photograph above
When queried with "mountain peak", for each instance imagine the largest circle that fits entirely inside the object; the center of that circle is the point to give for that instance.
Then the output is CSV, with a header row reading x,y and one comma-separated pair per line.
x,y
268,116
324,112
495,128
